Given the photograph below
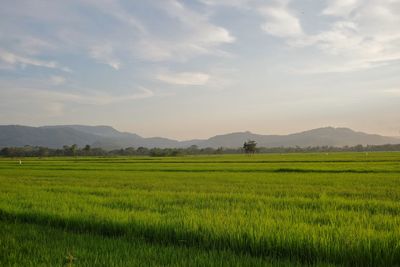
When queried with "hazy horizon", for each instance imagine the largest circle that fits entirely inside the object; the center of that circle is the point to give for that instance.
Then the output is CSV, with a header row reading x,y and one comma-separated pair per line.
x,y
194,69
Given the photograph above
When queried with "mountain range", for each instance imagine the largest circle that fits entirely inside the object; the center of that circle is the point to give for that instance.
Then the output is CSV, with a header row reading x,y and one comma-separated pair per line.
x,y
109,138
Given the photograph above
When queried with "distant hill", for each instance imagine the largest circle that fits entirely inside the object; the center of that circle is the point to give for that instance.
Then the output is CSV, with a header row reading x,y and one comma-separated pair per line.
x,y
54,137
57,136
109,138
328,136
105,131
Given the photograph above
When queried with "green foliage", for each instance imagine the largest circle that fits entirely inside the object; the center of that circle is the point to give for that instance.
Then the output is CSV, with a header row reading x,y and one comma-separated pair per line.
x,y
31,245
250,147
232,210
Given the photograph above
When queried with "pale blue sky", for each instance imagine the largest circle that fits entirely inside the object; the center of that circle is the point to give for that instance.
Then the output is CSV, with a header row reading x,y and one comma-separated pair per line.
x,y
193,69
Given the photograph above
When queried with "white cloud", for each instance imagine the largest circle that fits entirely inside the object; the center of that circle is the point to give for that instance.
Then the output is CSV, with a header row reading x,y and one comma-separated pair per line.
x,y
216,79
51,96
104,54
196,35
14,59
127,32
97,98
369,36
78,33
334,67
184,78
113,9
203,32
233,3
30,45
280,20
365,34
222,78
341,7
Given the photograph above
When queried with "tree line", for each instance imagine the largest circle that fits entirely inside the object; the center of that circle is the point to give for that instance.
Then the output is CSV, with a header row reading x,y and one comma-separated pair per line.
x,y
248,147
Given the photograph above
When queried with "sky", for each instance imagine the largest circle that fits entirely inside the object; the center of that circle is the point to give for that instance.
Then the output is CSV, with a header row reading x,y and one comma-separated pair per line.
x,y
197,68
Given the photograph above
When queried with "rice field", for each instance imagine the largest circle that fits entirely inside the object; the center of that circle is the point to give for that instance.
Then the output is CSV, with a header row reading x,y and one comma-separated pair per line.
x,y
224,210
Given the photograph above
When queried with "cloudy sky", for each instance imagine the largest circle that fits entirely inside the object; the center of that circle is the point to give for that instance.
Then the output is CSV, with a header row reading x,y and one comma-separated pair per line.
x,y
192,69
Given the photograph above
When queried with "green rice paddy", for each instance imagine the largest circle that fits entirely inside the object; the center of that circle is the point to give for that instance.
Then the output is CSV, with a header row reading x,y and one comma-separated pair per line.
x,y
229,210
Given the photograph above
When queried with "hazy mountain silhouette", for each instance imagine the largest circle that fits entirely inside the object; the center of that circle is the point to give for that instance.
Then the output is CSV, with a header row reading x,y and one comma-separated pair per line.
x,y
109,138
327,136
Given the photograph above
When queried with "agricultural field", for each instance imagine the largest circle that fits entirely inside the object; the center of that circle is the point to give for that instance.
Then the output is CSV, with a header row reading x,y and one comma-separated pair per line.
x,y
223,210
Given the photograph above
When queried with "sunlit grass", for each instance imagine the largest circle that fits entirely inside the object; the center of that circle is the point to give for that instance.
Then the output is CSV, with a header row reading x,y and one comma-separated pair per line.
x,y
307,208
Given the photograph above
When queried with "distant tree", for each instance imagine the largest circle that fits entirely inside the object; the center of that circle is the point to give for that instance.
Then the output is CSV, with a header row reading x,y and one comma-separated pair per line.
x,y
219,150
130,151
86,149
142,150
250,147
193,149
97,151
43,152
158,152
358,148
6,151
175,152
74,149
70,150
208,151
66,150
